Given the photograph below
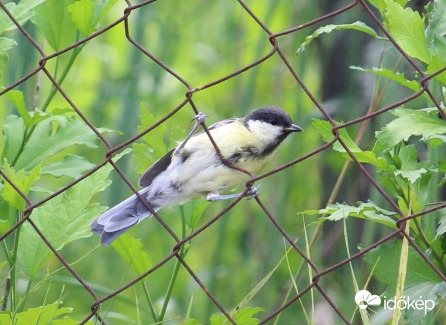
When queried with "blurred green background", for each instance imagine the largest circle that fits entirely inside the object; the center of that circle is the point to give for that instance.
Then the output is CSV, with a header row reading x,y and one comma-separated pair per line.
x,y
111,82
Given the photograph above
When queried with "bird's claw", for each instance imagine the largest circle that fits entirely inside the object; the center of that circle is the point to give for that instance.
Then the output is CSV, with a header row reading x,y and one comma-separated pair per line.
x,y
253,192
200,118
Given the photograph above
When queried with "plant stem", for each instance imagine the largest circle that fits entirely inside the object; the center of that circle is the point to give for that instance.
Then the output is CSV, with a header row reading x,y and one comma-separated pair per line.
x,y
364,317
6,251
176,268
404,255
149,300
402,271
14,264
64,74
50,97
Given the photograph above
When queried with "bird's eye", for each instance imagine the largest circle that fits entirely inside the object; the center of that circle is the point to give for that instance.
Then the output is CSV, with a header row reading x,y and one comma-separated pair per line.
x,y
274,121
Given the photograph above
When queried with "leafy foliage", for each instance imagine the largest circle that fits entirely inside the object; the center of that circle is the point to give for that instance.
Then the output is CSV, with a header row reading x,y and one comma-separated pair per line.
x,y
49,314
131,250
367,211
358,25
74,210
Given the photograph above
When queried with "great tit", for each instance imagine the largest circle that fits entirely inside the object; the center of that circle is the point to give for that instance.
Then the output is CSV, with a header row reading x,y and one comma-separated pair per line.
x,y
194,169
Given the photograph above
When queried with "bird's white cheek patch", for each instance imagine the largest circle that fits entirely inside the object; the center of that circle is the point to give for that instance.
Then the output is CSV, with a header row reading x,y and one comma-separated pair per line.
x,y
264,131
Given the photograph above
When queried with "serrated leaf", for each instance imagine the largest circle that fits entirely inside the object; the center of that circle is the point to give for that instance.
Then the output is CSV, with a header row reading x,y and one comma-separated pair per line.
x,y
63,219
131,250
71,165
43,315
18,100
368,211
23,181
437,22
408,123
407,28
244,316
386,258
54,23
324,128
381,4
53,135
423,291
395,76
358,25
436,64
82,12
152,148
22,11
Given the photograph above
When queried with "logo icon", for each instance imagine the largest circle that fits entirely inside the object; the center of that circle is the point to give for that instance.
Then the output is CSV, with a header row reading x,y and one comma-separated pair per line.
x,y
364,298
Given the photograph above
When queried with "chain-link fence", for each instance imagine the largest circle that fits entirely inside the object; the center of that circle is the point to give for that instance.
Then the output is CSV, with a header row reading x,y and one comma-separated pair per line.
x,y
274,38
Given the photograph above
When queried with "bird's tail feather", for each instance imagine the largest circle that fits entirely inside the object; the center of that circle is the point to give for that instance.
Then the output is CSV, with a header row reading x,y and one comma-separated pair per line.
x,y
120,218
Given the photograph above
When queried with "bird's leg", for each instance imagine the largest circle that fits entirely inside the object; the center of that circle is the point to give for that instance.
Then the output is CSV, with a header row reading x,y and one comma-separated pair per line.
x,y
199,120
252,193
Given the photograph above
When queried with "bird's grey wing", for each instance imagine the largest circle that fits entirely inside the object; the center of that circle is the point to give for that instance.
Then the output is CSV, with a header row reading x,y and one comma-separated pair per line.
x,y
156,169
221,123
162,164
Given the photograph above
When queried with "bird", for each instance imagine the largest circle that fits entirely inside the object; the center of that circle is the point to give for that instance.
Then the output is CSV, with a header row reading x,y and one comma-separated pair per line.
x,y
195,169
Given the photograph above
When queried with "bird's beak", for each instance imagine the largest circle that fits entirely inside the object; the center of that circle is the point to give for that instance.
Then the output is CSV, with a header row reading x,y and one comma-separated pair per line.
x,y
293,128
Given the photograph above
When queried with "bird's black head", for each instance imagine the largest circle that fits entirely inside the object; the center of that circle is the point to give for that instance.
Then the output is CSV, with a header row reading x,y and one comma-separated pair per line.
x,y
274,116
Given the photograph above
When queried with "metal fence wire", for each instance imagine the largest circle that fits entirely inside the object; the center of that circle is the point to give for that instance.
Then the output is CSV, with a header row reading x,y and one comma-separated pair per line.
x,y
274,39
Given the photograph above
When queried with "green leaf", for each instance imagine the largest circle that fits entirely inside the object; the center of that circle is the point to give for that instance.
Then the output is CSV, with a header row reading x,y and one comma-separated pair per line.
x,y
63,219
441,227
21,12
358,25
386,271
71,165
244,316
324,128
22,181
82,15
43,315
101,9
5,45
382,4
395,76
368,211
193,211
131,250
437,22
436,64
410,168
53,21
425,291
14,133
53,135
407,28
18,100
5,318
152,148
409,123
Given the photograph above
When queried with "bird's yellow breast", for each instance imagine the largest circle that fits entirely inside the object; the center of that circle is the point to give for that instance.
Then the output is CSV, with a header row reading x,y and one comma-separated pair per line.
x,y
204,166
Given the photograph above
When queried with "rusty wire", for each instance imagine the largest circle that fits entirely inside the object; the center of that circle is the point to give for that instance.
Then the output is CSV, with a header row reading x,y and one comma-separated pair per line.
x,y
189,92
